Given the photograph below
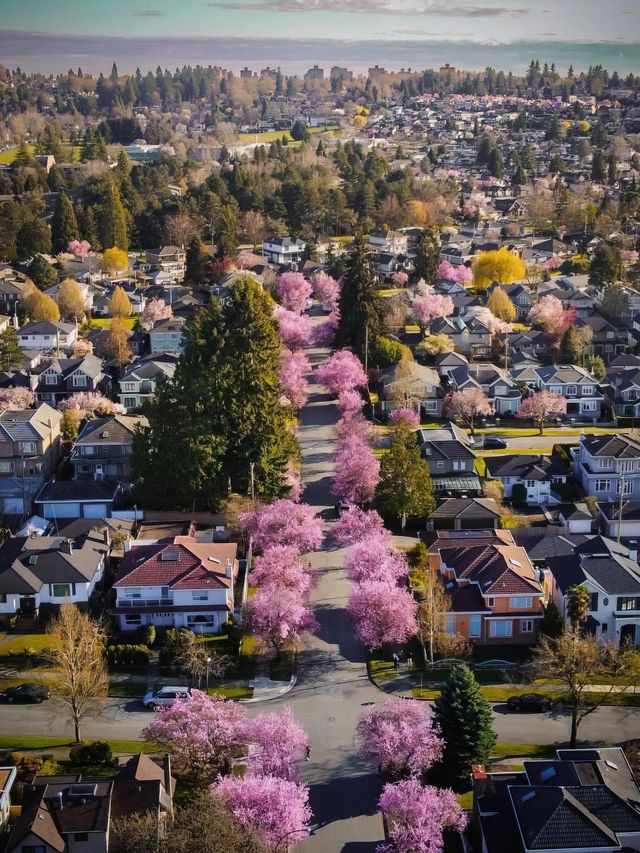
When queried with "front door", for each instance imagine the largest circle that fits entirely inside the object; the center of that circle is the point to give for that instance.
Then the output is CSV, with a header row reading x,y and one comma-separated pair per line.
x,y
28,604
628,635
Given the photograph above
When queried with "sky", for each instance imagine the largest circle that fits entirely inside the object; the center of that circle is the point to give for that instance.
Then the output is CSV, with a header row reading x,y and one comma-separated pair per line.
x,y
483,21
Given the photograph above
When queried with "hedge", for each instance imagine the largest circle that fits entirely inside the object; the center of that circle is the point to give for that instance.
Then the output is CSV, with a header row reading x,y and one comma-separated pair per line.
x,y
128,655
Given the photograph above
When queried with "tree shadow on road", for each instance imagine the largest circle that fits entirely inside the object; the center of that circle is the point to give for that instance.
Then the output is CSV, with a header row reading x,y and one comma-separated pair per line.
x,y
336,628
316,492
344,797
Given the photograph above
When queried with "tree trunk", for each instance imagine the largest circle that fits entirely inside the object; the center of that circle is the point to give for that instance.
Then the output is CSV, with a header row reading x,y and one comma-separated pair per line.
x,y
403,521
76,725
574,726
541,427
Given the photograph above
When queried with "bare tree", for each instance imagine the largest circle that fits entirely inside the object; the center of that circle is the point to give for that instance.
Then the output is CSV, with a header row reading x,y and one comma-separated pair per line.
x,y
254,227
200,662
77,653
179,228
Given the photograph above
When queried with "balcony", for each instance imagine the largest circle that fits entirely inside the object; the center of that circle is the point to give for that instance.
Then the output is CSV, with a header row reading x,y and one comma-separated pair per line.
x,y
144,602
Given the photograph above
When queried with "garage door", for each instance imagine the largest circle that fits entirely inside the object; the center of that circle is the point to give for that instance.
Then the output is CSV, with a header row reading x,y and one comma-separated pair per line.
x,y
95,511
12,506
66,510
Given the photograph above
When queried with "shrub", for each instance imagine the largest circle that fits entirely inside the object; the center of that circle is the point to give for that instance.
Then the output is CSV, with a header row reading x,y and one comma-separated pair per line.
x,y
15,758
127,655
519,494
91,752
10,620
148,635
386,352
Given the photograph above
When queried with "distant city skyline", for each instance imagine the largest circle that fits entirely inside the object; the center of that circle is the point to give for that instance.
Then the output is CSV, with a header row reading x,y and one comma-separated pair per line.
x,y
365,20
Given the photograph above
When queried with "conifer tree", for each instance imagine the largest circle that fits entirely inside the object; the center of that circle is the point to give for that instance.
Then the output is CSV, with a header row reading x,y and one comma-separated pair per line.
x,y
465,721
64,226
358,306
427,258
405,485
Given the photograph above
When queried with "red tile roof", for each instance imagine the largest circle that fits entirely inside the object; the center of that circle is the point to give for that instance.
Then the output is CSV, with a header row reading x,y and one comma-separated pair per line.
x,y
183,564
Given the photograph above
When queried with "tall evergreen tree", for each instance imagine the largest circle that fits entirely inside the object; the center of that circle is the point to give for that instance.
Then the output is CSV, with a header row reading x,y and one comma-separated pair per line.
x,y
359,305
11,356
571,346
64,226
427,258
405,481
465,721
227,232
42,273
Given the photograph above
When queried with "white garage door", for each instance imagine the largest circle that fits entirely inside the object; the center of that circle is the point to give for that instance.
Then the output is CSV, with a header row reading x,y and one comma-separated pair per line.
x,y
95,511
66,510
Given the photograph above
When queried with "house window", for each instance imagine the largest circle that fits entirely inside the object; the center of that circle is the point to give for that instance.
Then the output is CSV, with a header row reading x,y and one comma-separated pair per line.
x,y
6,467
587,390
556,389
526,626
51,378
531,484
593,604
450,624
501,628
603,485
589,406
440,465
626,486
571,390
629,602
199,595
133,619
520,602
129,402
605,628
62,590
79,380
3,598
475,625
132,593
458,464
27,447
80,836
491,602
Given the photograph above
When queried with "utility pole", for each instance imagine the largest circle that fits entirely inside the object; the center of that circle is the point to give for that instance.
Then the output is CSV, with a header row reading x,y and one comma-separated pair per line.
x,y
366,349
253,490
24,492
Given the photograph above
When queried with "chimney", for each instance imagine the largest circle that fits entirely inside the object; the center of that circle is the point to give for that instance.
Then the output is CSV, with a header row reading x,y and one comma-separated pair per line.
x,y
66,546
107,536
228,569
478,771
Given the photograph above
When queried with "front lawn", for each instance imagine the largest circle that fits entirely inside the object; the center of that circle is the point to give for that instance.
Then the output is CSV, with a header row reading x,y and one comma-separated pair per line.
x,y
105,322
20,644
15,742
232,691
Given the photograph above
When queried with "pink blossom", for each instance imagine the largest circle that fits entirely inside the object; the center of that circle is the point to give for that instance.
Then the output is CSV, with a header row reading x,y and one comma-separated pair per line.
x,y
353,427
81,348
552,263
629,255
155,310
278,615
79,248
467,405
277,808
201,734
295,329
294,369
382,613
447,271
91,402
355,525
401,736
325,289
357,472
342,372
548,314
375,559
405,417
274,740
417,816
293,481
283,522
280,566
399,279
350,403
294,290
495,325
426,309
248,259
15,399
324,333
464,274
541,406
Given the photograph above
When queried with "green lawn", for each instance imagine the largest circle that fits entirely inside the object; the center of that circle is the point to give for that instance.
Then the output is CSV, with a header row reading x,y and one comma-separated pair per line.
x,y
523,750
44,742
7,157
527,432
19,644
232,691
273,135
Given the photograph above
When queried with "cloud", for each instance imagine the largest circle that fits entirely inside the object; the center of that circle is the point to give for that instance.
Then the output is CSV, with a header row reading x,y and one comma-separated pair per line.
x,y
149,13
376,7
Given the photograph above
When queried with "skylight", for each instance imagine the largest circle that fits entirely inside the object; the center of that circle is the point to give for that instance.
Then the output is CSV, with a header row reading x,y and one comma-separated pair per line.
x,y
547,774
515,563
528,796
170,555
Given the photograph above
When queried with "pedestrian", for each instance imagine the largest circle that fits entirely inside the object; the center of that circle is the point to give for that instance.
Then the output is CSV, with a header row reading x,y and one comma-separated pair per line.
x,y
396,661
307,753
409,662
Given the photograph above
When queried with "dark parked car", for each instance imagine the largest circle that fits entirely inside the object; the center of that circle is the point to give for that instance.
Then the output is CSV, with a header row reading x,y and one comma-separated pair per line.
x,y
494,442
26,693
341,507
533,702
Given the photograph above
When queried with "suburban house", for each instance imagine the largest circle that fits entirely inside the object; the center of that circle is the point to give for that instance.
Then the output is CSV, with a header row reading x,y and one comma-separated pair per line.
x,y
531,476
584,800
168,259
472,337
496,596
465,514
625,391
609,340
53,570
181,584
283,250
389,242
625,524
606,465
577,385
168,335
85,289
535,344
447,362
496,383
7,778
102,450
62,499
613,582
63,377
412,385
139,380
11,291
29,452
47,335
519,294
451,461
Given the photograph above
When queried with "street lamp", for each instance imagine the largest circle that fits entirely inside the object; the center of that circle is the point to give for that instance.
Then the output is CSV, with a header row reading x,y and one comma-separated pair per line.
x,y
208,664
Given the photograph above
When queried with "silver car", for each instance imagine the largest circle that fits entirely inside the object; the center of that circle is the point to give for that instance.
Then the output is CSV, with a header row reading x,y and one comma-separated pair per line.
x,y
164,697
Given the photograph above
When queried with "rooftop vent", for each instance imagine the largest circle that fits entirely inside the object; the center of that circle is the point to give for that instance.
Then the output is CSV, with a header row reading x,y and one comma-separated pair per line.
x,y
104,434
516,563
611,764
83,789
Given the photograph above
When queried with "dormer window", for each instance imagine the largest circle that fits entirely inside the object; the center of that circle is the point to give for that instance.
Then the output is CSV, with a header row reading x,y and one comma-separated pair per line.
x,y
571,390
588,389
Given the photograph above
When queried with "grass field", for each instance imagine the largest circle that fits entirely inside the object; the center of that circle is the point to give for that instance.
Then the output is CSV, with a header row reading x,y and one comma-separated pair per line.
x,y
7,157
43,742
105,322
18,645
273,135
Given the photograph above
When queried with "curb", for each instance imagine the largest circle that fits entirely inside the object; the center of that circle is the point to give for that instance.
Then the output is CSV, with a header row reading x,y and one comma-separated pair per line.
x,y
289,685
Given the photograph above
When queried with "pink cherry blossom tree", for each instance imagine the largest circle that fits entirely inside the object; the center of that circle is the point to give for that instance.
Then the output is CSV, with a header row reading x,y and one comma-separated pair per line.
x,y
278,615
277,808
79,248
428,308
352,428
202,735
464,274
274,740
375,559
355,525
293,291
15,399
542,406
399,279
342,372
357,473
495,325
447,271
382,613
324,333
400,736
280,566
404,417
293,481
91,402
155,310
417,816
246,260
294,369
295,329
548,314
325,289
467,405
350,403
81,348
283,522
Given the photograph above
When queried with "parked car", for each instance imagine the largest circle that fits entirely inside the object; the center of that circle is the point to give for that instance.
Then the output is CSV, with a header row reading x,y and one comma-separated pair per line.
x,y
534,702
494,442
164,697
341,507
36,693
